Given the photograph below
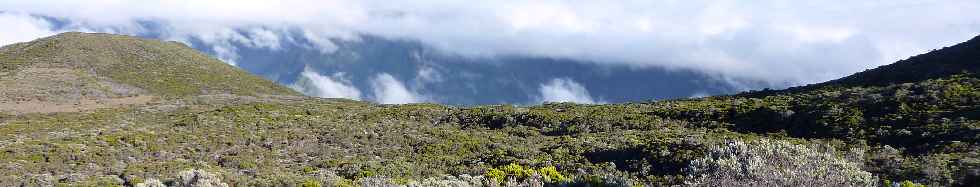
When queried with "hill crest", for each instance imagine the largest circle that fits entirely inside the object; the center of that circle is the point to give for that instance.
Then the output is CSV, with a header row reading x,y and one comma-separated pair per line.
x,y
71,69
960,58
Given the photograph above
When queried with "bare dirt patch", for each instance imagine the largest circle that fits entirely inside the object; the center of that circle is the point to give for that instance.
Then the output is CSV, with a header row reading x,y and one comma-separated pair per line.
x,y
27,107
52,88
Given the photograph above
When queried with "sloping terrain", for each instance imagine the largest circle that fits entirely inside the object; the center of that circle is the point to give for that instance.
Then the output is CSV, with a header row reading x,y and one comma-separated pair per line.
x,y
227,127
77,71
961,58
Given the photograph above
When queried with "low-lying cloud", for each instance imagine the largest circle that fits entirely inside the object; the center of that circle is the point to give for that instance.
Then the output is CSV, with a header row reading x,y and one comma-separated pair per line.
x,y
769,40
21,28
335,86
388,90
565,90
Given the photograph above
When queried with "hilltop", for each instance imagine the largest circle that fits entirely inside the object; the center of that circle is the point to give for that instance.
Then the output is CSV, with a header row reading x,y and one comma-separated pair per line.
x,y
963,58
959,59
208,122
76,71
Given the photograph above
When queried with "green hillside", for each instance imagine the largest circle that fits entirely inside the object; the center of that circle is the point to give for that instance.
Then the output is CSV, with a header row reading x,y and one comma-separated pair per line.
x,y
168,69
961,58
230,128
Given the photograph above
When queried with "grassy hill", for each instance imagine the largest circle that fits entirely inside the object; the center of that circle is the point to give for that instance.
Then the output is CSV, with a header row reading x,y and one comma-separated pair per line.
x,y
232,128
166,69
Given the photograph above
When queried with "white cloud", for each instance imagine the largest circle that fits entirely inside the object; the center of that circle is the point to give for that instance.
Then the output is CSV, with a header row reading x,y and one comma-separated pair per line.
x,y
770,40
264,38
336,86
699,94
429,75
388,90
222,41
565,90
22,28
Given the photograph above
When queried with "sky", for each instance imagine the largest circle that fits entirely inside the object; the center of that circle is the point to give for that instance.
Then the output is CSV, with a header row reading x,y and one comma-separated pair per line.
x,y
773,43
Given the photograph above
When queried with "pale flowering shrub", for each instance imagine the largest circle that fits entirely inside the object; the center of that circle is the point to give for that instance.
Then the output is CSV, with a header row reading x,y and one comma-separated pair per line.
x,y
775,163
444,181
151,183
199,178
452,181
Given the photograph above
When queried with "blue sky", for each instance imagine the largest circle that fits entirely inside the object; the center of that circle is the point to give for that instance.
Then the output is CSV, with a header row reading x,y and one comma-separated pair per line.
x,y
726,46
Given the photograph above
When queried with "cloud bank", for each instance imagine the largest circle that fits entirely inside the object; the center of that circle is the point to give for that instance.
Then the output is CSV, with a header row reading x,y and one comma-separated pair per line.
x,y
565,90
769,40
335,86
22,28
388,90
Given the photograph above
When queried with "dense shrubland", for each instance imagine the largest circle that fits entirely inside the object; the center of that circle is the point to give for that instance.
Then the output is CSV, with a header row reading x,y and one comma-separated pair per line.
x,y
922,133
876,128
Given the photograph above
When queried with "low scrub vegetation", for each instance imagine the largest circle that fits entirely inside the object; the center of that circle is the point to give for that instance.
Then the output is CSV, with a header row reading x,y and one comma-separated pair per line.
x,y
855,138
216,130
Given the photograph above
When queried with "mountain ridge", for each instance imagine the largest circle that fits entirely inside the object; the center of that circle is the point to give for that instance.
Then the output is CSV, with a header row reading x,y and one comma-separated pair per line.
x,y
935,64
956,59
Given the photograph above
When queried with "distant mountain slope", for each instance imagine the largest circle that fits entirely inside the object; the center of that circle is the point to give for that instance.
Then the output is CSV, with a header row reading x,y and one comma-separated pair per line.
x,y
960,58
963,58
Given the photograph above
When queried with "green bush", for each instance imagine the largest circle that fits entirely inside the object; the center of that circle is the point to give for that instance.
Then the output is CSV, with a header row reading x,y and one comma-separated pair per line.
x,y
311,183
552,175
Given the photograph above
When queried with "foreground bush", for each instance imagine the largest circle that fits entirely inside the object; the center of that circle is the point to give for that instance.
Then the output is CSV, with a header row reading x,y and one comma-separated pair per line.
x,y
189,178
775,163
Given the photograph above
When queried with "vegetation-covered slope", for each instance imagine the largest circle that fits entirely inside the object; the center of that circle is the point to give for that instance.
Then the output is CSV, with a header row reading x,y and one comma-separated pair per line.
x,y
962,58
915,131
167,69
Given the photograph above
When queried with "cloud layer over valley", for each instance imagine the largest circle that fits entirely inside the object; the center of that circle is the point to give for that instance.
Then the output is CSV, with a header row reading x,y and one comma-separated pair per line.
x,y
743,45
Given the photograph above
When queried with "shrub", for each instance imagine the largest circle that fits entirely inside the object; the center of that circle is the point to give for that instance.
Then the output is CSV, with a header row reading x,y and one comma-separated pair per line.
x,y
199,178
514,173
247,165
311,183
552,175
775,163
518,171
496,174
448,181
151,183
889,183
309,170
